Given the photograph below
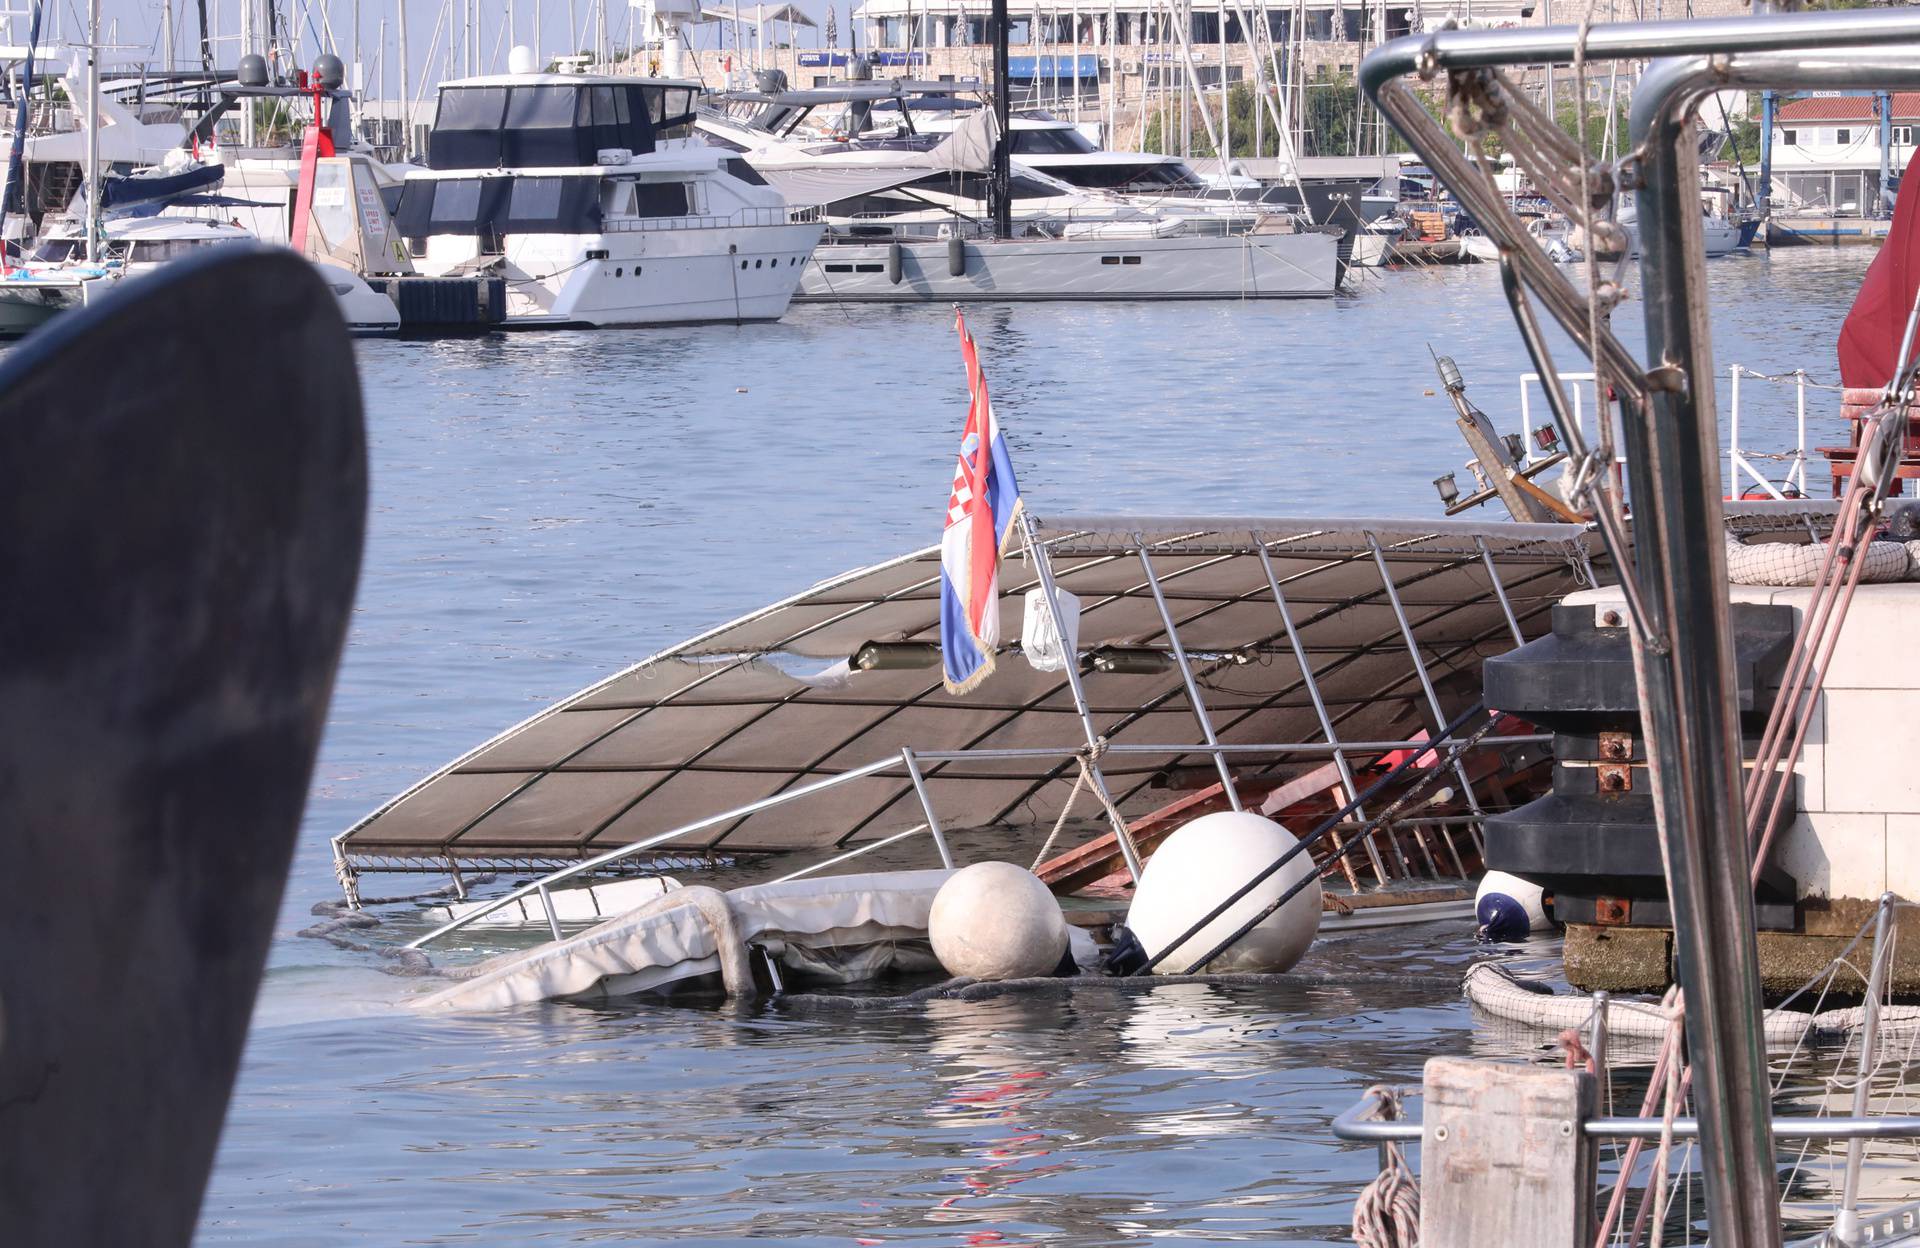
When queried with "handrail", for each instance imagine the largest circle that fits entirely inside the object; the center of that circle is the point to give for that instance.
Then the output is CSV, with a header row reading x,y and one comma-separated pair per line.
x,y
1357,1125
907,761
739,218
614,855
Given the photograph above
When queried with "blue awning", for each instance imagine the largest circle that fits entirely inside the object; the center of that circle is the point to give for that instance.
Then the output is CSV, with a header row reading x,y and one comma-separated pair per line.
x,y
1088,66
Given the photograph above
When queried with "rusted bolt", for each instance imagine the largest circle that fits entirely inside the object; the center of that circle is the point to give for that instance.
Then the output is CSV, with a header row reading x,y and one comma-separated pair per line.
x,y
1616,746
1612,911
1610,618
1615,778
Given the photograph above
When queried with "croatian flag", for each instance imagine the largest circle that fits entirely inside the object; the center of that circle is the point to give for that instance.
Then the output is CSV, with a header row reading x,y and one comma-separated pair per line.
x,y
980,515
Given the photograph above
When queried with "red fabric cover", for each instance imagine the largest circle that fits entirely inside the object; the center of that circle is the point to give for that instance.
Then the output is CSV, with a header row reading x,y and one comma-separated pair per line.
x,y
1870,336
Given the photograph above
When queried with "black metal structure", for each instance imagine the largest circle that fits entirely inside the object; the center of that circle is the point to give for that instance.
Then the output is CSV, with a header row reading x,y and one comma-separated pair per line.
x,y
180,575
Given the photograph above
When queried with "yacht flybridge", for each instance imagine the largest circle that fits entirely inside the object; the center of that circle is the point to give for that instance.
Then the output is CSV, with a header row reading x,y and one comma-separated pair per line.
x,y
585,194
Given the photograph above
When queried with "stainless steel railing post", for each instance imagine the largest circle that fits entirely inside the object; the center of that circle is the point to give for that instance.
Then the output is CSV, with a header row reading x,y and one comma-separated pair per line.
x,y
1043,568
926,804
1312,683
1186,676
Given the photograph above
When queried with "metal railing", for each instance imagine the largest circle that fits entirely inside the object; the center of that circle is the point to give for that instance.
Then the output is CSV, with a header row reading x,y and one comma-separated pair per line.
x,y
1742,474
1385,860
737,219
907,762
1361,1125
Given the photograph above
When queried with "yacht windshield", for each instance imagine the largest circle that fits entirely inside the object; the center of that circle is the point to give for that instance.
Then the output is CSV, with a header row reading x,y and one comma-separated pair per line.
x,y
1134,177
160,250
1052,143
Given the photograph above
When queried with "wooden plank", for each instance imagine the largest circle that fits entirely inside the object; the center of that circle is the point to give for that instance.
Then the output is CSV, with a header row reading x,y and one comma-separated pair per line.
x,y
1503,1158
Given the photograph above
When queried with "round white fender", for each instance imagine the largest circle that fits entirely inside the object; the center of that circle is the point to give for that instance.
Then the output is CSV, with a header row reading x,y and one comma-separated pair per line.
x,y
994,920
1200,866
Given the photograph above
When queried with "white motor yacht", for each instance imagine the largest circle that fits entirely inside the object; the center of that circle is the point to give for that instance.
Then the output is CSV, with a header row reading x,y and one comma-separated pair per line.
x,y
1167,184
909,221
586,195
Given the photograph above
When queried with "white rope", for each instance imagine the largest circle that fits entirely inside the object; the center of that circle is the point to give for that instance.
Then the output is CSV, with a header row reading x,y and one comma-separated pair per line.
x,y
1086,758
1494,990
1387,1214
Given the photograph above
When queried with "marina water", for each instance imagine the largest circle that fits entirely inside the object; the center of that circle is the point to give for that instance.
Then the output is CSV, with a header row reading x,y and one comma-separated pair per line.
x,y
548,508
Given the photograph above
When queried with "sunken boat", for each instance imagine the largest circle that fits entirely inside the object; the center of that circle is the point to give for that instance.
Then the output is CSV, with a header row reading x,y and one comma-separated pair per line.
x,y
1304,670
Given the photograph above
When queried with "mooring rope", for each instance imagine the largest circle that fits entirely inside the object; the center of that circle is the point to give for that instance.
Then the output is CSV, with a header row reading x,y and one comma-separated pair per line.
x,y
1387,1214
1087,756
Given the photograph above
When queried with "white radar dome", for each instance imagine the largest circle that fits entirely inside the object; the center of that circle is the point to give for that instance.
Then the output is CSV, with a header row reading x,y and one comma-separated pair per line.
x,y
520,60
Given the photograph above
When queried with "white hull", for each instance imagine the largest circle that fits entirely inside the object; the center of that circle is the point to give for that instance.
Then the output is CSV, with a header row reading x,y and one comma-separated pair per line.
x,y
25,307
1370,250
1264,266
661,276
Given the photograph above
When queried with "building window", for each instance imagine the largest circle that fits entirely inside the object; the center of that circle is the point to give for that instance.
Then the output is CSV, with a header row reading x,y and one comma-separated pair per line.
x,y
1843,136
1790,137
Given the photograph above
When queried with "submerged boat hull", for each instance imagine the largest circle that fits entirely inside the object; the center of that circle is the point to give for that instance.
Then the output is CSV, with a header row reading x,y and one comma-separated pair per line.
x,y
1259,266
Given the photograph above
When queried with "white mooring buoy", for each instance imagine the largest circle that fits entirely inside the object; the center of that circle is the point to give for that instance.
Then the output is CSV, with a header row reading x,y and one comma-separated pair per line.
x,y
1203,864
1507,907
994,920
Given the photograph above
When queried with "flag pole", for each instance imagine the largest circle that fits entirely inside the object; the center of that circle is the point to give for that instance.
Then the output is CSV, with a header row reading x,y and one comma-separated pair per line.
x,y
1050,591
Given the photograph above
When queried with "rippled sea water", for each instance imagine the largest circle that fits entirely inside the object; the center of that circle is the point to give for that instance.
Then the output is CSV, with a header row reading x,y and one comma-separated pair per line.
x,y
549,508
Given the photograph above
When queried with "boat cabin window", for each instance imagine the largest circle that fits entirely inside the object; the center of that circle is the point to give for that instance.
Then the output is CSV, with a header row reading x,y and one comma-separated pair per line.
x,y
58,250
554,125
160,250
975,186
489,207
649,199
1134,177
1052,143
745,172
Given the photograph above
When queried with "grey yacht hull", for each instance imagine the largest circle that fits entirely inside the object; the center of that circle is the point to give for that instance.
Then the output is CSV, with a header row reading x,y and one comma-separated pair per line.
x,y
1258,266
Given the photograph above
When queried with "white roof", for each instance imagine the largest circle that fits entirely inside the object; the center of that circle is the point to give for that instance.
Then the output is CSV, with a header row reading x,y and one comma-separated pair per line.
x,y
567,80
758,15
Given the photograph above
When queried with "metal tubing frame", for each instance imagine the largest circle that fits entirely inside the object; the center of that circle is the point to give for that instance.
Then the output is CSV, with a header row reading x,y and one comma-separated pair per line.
x,y
1687,692
1690,693
1846,1226
1043,569
926,803
1420,668
851,854
1312,684
1194,699
1500,591
1355,1126
641,846
909,760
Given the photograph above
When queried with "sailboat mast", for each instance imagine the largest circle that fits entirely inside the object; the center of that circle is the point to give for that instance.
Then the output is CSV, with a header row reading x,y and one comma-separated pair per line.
x,y
1002,186
93,131
406,82
16,194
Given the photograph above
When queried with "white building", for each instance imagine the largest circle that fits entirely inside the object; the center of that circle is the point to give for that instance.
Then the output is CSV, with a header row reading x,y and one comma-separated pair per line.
x,y
1826,151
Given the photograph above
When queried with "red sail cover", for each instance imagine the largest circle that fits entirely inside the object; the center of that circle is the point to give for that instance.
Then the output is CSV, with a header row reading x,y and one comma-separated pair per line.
x,y
1870,337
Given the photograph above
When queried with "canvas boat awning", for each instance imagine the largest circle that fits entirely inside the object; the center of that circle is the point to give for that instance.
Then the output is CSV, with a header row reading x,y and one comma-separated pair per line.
x,y
771,701
816,180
